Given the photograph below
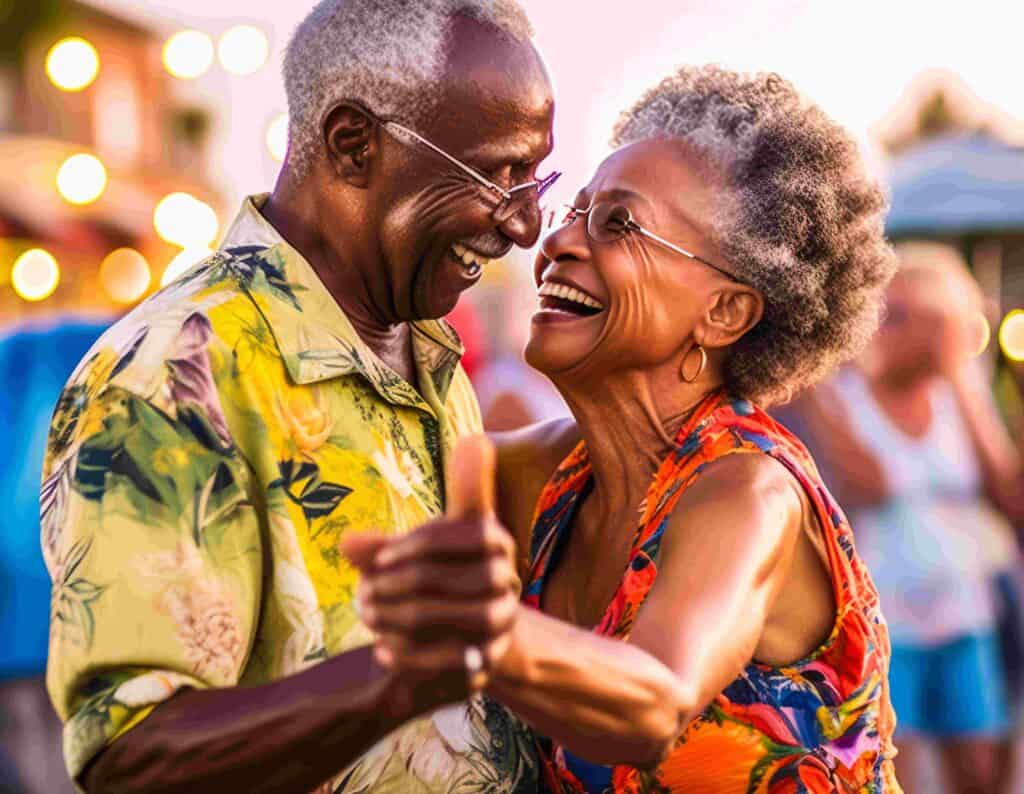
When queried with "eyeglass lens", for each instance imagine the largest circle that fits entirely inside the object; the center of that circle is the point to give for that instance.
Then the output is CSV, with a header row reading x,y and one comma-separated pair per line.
x,y
607,223
525,197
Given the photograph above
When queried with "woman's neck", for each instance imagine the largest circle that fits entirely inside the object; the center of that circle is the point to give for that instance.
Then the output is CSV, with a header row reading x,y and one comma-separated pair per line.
x,y
629,424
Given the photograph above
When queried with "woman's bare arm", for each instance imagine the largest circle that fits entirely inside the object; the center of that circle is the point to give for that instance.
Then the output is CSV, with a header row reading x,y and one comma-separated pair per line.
x,y
723,561
1000,460
858,477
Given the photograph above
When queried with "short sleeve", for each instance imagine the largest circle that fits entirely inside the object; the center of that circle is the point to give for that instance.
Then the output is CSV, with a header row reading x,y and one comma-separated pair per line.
x,y
153,548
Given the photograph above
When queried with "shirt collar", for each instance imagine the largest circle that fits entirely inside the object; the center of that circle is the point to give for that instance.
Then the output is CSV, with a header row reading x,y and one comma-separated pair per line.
x,y
316,339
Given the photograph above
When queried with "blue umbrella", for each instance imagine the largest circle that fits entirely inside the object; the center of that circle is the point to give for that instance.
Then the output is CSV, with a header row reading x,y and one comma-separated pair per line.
x,y
957,185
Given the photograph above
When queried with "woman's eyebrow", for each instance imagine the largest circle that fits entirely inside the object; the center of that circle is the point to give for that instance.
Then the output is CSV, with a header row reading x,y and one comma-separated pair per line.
x,y
625,193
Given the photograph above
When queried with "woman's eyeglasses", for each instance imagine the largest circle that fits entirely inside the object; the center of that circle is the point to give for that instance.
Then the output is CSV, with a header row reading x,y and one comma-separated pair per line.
x,y
608,223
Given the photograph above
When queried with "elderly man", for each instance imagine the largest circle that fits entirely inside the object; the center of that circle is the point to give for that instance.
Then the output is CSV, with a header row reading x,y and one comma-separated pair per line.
x,y
217,444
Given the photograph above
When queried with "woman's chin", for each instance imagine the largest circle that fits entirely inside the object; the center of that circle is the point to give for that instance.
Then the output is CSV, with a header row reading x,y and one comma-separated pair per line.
x,y
552,353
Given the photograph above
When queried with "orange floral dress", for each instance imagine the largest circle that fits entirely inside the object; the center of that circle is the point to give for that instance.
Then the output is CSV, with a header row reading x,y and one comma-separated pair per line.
x,y
823,724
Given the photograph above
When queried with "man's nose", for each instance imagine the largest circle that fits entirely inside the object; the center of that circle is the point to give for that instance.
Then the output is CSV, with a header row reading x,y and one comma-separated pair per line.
x,y
523,227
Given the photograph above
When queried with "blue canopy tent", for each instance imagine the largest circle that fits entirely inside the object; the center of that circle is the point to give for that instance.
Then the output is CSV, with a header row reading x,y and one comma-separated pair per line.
x,y
957,186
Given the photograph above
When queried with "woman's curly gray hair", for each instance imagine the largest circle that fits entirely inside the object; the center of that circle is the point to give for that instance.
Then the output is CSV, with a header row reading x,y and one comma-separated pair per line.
x,y
801,221
386,54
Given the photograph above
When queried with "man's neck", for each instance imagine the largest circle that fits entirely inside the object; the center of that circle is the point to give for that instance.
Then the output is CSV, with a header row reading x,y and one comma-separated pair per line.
x,y
295,215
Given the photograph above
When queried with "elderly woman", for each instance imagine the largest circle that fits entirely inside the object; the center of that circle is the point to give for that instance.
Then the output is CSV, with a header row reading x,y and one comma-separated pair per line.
x,y
695,616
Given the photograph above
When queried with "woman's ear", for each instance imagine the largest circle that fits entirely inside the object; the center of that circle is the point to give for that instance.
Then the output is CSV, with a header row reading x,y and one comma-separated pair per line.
x,y
735,309
350,138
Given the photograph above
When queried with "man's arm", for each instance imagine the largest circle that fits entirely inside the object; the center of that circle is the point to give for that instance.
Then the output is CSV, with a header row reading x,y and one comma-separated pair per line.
x,y
154,543
286,736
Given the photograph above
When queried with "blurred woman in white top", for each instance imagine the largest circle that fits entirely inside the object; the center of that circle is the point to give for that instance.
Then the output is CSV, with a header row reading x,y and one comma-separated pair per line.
x,y
913,447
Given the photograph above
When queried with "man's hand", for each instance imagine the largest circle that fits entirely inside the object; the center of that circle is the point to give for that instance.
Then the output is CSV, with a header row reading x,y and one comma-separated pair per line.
x,y
448,586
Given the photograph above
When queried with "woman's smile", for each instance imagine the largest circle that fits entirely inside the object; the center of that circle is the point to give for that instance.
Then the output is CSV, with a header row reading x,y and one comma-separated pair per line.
x,y
563,301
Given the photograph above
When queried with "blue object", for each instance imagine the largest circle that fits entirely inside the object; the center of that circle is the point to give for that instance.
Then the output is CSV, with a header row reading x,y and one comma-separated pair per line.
x,y
947,691
957,185
35,362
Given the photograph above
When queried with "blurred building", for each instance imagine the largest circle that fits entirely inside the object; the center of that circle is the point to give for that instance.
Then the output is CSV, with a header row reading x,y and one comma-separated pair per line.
x,y
94,132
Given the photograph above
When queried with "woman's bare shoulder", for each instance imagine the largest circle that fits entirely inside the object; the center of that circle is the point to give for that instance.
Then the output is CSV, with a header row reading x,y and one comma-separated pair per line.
x,y
526,460
544,444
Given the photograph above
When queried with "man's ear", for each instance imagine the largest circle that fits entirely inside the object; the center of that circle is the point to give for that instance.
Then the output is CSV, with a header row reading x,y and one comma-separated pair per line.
x,y
735,310
350,138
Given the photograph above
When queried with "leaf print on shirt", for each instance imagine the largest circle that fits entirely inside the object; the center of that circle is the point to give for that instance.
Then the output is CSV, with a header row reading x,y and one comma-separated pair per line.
x,y
249,262
303,485
71,615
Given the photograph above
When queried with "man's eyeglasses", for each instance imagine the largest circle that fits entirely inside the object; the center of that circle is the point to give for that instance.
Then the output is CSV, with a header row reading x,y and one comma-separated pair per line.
x,y
511,200
609,223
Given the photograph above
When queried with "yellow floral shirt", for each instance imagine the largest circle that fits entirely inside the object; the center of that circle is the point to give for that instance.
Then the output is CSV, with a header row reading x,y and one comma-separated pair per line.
x,y
203,463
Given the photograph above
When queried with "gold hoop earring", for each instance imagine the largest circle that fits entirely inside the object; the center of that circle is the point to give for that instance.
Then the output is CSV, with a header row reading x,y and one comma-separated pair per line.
x,y
700,370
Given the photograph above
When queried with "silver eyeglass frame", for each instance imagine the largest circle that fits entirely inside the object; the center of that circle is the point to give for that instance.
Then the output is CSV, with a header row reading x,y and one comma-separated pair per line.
x,y
631,225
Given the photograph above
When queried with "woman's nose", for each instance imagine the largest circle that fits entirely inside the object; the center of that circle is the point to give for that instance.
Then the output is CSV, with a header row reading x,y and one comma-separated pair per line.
x,y
567,240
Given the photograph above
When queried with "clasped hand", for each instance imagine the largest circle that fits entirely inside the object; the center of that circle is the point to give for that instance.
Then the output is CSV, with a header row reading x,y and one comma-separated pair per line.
x,y
449,585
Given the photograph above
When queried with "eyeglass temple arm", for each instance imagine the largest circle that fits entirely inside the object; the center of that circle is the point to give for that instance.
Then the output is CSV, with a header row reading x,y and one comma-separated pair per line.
x,y
636,227
457,163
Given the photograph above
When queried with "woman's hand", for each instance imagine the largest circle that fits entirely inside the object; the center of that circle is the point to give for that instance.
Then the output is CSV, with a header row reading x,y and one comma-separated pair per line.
x,y
448,586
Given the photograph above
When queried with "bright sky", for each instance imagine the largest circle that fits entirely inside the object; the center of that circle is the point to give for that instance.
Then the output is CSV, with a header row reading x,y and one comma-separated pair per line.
x,y
855,60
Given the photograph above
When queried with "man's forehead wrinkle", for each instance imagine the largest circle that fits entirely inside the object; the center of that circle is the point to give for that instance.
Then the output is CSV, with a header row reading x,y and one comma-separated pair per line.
x,y
507,125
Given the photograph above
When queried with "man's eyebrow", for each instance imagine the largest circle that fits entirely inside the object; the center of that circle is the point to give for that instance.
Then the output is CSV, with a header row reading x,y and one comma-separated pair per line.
x,y
509,151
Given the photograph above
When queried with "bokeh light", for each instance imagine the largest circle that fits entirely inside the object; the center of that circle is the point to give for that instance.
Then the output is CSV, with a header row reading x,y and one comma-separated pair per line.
x,y
35,274
188,54
982,333
1011,335
183,262
125,275
243,49
277,137
184,220
72,64
81,179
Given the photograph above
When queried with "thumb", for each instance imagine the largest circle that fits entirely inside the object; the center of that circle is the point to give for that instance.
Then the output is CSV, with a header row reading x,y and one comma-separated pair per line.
x,y
471,478
361,549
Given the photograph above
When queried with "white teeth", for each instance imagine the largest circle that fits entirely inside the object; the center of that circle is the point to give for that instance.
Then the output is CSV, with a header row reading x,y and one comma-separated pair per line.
x,y
549,289
470,259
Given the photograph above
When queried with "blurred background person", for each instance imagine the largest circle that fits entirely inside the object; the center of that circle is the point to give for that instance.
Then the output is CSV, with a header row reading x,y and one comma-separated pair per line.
x,y
35,361
912,444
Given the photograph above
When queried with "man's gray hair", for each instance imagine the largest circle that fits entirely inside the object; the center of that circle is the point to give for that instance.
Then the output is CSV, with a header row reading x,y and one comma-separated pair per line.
x,y
385,54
